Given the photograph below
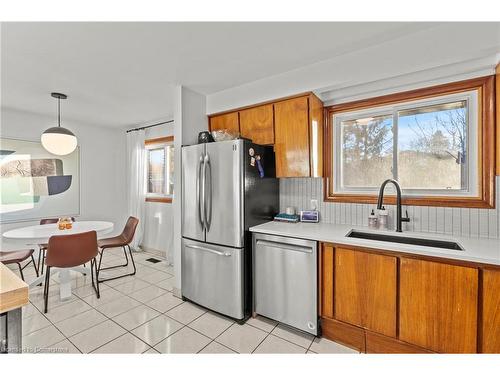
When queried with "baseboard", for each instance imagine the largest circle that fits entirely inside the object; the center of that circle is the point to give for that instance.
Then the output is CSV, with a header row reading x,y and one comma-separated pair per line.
x,y
177,292
160,253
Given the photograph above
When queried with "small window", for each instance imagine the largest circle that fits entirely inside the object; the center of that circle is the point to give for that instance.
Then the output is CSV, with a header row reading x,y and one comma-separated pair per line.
x,y
432,145
160,169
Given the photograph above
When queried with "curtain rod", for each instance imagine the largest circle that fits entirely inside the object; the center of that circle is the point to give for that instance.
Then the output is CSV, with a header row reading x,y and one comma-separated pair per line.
x,y
149,126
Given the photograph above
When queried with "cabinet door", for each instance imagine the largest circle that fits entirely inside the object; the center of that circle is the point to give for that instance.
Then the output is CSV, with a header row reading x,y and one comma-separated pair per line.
x,y
438,306
490,330
291,125
257,124
365,290
228,121
316,135
326,281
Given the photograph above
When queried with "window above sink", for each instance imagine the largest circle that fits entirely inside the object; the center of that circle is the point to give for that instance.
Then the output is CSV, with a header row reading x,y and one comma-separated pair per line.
x,y
435,142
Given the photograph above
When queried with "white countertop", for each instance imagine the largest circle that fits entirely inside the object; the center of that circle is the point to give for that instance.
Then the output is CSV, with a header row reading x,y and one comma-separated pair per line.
x,y
478,250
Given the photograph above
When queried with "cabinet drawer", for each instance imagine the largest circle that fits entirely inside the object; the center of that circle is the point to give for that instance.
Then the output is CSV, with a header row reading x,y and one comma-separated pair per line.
x,y
212,276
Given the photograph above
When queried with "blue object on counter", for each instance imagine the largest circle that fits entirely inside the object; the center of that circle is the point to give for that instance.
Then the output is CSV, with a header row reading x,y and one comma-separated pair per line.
x,y
259,167
287,218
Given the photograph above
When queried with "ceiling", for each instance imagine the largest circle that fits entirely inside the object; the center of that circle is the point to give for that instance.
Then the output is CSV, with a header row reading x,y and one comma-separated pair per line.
x,y
124,74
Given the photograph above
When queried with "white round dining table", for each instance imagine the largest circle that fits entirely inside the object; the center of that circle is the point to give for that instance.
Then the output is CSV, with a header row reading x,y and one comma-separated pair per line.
x,y
35,234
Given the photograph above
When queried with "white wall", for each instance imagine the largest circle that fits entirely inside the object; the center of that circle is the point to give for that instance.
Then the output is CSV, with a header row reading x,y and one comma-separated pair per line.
x,y
102,165
189,119
159,225
453,53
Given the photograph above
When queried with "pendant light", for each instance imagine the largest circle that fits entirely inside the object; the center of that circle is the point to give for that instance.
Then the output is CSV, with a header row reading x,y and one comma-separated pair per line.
x,y
58,140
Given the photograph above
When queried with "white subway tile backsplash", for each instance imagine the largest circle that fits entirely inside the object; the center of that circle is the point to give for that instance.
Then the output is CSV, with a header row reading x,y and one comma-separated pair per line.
x,y
483,223
466,222
474,222
448,220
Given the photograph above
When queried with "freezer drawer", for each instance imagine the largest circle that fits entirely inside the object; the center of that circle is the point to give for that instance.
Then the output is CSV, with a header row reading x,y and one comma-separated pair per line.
x,y
285,280
212,276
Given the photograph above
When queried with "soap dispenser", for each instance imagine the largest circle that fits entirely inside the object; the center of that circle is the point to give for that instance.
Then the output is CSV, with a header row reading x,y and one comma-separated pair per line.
x,y
382,218
372,220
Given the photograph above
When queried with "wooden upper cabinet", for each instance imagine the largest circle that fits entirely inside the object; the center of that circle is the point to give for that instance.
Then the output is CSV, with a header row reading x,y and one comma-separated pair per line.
x,y
228,121
294,126
257,124
298,127
498,118
438,306
490,329
316,135
292,137
365,290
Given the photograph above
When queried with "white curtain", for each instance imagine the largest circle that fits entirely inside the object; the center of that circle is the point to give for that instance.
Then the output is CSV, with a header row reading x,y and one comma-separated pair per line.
x,y
136,178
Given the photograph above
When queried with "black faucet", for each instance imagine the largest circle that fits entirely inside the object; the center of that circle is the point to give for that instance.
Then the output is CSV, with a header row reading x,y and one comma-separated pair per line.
x,y
399,218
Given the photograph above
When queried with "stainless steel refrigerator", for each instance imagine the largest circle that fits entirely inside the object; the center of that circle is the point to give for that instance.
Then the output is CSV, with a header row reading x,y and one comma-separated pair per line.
x,y
227,187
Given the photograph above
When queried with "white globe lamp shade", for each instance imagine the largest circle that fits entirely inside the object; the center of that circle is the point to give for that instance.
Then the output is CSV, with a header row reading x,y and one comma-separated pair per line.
x,y
59,141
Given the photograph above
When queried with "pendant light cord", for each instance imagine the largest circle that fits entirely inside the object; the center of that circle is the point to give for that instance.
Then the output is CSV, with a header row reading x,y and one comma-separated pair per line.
x,y
59,112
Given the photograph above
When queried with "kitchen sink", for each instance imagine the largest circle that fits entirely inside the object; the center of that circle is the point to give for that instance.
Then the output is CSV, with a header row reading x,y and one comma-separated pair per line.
x,y
450,245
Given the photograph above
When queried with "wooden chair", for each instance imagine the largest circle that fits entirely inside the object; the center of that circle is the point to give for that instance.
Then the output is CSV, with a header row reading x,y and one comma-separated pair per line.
x,y
123,241
18,256
71,250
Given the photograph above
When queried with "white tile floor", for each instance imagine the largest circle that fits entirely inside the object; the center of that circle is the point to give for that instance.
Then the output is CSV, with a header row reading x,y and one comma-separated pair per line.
x,y
139,314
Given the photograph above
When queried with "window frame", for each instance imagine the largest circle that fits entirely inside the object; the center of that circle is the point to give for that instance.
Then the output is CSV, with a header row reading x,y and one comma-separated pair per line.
x,y
484,197
151,144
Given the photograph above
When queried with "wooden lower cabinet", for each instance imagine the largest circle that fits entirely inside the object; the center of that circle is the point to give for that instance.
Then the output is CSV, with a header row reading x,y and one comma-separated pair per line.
x,y
375,343
438,306
398,303
344,333
365,290
326,281
490,307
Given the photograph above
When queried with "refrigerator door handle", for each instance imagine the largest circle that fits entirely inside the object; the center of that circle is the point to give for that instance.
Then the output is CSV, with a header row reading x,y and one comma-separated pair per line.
x,y
200,192
221,253
208,202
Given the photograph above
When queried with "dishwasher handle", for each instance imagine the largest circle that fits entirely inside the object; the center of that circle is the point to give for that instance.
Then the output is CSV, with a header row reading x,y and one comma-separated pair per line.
x,y
288,246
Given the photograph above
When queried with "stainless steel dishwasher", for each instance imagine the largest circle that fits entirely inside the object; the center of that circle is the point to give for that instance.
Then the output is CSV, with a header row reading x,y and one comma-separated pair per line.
x,y
285,280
